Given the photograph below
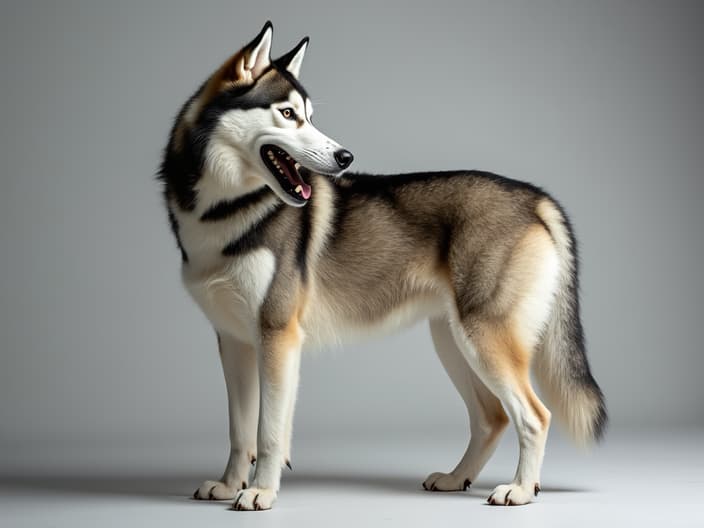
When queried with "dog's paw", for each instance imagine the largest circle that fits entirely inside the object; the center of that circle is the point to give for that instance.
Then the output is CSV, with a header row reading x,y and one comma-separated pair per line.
x,y
254,499
512,495
446,482
216,490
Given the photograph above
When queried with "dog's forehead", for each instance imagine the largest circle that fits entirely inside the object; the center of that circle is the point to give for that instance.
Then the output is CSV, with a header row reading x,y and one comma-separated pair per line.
x,y
277,86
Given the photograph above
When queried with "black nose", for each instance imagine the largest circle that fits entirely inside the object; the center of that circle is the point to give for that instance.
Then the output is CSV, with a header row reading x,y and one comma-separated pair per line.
x,y
343,158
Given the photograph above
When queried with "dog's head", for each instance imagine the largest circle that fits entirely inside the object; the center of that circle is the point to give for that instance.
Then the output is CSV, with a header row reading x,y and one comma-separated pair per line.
x,y
255,119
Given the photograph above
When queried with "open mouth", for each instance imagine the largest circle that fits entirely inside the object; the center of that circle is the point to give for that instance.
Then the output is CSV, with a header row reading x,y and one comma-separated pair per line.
x,y
285,169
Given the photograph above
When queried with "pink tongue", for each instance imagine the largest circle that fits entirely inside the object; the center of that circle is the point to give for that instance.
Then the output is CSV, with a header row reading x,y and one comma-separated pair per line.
x,y
296,180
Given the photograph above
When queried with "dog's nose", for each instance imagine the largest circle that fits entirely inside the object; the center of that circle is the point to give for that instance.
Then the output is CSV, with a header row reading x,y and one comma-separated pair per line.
x,y
343,158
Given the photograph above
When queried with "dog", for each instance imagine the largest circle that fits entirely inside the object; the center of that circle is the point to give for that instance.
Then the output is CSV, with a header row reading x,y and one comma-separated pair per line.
x,y
282,247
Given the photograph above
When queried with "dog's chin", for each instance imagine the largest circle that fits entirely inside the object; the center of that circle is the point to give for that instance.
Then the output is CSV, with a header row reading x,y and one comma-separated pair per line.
x,y
288,175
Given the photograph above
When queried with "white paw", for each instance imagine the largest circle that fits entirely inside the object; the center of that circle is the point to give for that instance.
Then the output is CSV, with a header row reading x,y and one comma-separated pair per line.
x,y
216,490
446,482
254,499
512,495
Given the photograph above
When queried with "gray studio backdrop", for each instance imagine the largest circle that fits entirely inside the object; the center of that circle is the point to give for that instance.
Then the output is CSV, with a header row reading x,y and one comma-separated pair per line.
x,y
599,102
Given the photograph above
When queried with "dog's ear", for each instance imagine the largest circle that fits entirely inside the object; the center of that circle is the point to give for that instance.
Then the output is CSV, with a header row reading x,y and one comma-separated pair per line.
x,y
245,66
293,59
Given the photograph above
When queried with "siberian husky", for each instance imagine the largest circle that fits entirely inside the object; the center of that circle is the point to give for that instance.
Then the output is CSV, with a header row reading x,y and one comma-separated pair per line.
x,y
280,249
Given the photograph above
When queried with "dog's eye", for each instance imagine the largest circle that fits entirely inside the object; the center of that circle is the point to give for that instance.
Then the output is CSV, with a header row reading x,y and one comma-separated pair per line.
x,y
288,113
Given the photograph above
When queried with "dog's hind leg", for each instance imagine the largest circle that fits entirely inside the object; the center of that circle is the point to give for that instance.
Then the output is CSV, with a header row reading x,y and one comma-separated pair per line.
x,y
502,361
239,362
499,336
487,419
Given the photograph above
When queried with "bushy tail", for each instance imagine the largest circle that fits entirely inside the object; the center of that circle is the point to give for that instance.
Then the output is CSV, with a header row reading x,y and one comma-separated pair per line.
x,y
561,366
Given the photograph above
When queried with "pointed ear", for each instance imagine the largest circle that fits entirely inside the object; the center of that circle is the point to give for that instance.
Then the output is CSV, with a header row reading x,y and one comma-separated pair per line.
x,y
293,59
250,62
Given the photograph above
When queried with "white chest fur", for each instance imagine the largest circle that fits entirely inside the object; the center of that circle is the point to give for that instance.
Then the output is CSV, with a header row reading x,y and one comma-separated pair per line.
x,y
231,297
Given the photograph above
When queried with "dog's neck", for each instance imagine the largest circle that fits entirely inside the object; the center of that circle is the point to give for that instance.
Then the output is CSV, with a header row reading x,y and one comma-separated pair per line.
x,y
225,176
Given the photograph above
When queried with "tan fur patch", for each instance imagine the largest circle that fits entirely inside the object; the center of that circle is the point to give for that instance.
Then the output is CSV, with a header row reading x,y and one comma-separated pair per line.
x,y
499,349
280,343
509,359
229,75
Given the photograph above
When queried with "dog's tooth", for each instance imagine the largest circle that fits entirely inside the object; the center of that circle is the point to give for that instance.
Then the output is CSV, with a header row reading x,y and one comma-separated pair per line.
x,y
297,165
298,189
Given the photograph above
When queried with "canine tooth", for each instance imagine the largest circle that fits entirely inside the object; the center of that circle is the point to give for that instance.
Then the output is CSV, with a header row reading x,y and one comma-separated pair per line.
x,y
298,189
297,165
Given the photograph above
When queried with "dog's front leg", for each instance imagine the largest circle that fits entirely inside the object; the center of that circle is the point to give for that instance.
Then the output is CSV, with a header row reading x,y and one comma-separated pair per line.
x,y
279,356
239,361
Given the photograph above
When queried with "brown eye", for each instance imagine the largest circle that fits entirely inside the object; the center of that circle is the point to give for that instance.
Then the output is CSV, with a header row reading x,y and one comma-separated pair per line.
x,y
288,113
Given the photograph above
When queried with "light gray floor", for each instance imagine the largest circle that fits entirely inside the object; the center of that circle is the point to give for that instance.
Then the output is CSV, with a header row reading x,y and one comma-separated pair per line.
x,y
634,479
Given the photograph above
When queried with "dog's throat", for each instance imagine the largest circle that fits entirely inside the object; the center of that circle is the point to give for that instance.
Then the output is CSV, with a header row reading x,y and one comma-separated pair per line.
x,y
285,169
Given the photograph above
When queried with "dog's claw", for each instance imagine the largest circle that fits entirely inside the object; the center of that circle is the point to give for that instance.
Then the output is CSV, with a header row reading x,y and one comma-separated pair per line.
x,y
255,503
491,500
288,463
536,489
467,484
244,485
254,459
195,494
422,484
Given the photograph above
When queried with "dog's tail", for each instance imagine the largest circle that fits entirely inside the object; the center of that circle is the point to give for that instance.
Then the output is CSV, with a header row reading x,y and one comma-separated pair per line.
x,y
561,366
